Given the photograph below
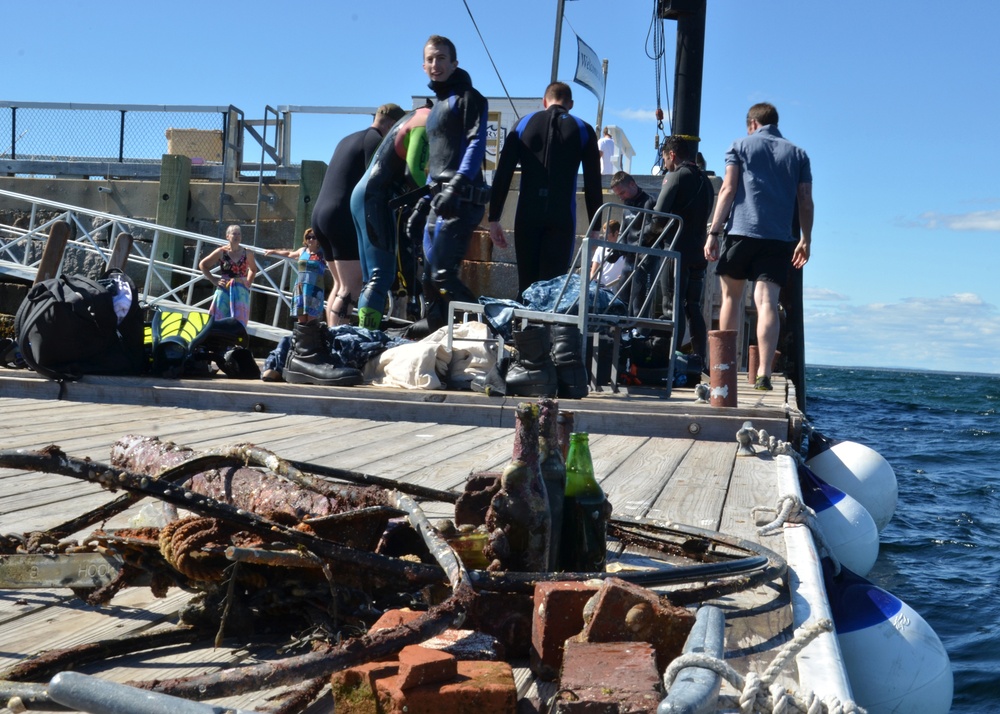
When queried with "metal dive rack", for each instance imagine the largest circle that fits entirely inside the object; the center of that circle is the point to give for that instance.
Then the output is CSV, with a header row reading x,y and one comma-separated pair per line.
x,y
610,316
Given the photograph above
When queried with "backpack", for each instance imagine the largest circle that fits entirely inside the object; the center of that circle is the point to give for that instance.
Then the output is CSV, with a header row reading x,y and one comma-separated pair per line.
x,y
67,327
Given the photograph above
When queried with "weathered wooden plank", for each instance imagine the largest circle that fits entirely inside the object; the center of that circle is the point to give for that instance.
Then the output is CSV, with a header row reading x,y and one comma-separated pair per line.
x,y
697,490
760,619
15,604
133,610
635,483
637,415
753,486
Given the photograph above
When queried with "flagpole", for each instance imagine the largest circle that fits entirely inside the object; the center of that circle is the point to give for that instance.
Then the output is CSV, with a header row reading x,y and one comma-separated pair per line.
x,y
560,6
600,104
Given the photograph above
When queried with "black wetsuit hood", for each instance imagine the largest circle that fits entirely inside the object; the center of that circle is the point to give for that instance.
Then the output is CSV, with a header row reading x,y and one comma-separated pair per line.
x,y
459,81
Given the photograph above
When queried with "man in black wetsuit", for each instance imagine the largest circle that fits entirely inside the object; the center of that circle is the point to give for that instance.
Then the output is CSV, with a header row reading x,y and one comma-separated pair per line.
x,y
687,192
331,215
549,145
456,135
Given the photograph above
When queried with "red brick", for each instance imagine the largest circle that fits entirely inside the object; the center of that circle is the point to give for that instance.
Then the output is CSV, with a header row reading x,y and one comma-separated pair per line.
x,y
505,616
354,689
480,247
624,612
558,615
394,618
479,687
463,644
422,665
609,677
497,280
467,645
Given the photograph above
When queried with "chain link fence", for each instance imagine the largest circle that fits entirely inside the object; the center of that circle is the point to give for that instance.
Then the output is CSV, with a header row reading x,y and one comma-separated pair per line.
x,y
140,134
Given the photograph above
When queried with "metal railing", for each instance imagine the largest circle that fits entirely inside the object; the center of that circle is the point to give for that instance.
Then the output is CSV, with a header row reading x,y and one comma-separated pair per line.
x,y
161,284
659,233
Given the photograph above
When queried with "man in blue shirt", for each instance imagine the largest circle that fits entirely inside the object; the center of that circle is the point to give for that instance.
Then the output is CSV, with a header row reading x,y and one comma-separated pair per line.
x,y
767,177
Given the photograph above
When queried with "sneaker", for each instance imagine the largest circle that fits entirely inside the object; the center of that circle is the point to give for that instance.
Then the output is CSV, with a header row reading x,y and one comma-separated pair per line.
x,y
763,383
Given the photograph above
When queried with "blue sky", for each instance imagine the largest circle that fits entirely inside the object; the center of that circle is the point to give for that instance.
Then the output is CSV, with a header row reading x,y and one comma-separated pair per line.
x,y
895,101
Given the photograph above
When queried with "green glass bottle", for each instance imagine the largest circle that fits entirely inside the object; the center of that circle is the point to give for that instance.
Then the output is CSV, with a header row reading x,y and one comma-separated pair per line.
x,y
583,547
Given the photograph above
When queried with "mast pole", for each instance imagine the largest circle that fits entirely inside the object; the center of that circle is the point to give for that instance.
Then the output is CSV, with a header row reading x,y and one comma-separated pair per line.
x,y
600,104
560,6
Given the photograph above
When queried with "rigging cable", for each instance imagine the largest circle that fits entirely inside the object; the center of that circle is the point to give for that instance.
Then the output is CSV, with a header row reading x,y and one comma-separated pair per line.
x,y
481,39
655,35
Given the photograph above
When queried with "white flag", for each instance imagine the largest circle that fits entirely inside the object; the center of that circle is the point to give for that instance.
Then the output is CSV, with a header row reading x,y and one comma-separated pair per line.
x,y
588,69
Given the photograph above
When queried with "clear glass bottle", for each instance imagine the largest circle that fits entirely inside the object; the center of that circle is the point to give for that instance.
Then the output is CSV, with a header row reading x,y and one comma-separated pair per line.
x,y
553,469
518,519
565,421
583,546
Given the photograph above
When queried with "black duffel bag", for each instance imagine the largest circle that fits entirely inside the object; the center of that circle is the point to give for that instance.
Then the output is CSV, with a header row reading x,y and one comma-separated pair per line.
x,y
67,327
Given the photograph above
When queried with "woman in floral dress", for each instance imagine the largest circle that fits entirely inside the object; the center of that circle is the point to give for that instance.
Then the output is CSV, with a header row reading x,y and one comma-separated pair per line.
x,y
237,269
307,296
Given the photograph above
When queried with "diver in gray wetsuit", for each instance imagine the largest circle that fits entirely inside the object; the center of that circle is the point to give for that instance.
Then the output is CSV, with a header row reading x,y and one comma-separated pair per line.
x,y
398,168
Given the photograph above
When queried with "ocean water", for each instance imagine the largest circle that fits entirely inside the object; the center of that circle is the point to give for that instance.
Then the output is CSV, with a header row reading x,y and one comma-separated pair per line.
x,y
941,434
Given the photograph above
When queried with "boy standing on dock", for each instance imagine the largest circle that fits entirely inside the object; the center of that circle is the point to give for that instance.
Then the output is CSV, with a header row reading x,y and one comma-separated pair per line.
x,y
766,178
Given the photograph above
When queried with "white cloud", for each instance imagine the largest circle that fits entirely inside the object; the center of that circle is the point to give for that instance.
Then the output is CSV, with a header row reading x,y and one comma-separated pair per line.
x,y
644,115
973,221
822,294
958,332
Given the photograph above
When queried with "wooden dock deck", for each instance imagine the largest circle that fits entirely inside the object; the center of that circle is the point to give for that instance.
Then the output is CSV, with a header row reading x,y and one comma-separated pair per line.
x,y
671,460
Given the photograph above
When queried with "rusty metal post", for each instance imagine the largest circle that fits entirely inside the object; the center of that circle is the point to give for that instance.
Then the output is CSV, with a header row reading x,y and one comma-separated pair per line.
x,y
722,361
120,251
753,363
52,253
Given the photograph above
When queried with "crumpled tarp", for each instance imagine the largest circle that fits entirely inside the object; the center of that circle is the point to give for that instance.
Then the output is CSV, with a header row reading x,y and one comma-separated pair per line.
x,y
542,296
429,364
396,362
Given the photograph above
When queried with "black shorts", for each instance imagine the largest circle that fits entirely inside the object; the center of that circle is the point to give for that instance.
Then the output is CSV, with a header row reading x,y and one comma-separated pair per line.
x,y
745,258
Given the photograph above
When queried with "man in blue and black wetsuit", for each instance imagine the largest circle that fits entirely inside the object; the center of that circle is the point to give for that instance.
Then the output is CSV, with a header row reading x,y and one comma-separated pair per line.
x,y
456,135
549,145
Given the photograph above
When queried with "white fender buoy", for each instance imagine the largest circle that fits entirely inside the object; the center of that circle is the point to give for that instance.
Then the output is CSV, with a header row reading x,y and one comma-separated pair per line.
x,y
895,662
848,528
862,473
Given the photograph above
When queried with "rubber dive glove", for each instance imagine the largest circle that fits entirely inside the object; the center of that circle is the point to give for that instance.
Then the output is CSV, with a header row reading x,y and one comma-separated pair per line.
x,y
446,203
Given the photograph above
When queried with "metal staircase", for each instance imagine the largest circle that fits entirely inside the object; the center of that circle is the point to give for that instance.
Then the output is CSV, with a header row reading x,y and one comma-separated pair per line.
x,y
236,170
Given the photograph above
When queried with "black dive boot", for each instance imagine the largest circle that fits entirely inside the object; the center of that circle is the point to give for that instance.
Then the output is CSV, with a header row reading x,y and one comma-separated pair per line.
x,y
310,361
532,373
567,355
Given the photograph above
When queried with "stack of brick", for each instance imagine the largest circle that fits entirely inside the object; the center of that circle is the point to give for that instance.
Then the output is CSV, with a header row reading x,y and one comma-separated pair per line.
x,y
428,678
488,270
607,641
